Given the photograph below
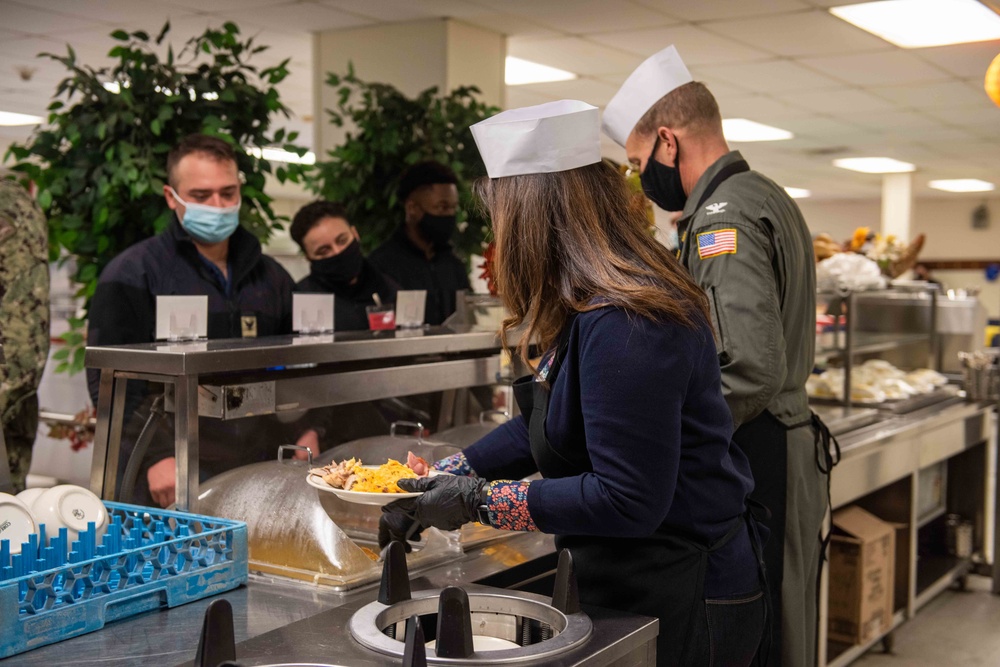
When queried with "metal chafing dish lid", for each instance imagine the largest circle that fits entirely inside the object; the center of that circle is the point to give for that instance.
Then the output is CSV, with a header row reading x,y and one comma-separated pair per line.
x,y
298,532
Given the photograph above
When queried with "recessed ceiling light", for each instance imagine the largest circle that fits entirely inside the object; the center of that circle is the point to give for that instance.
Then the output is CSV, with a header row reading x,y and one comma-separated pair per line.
x,y
9,118
798,193
281,155
874,165
962,185
519,72
741,129
913,24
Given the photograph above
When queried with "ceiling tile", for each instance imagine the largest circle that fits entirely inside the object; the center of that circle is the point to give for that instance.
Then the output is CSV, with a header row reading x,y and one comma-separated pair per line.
x,y
303,18
983,113
517,97
775,76
573,54
893,122
964,60
813,32
233,8
836,101
699,10
40,21
696,46
592,91
932,95
585,16
115,12
383,10
760,108
824,130
875,69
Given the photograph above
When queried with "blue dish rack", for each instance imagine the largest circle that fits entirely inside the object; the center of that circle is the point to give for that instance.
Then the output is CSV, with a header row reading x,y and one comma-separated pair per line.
x,y
147,559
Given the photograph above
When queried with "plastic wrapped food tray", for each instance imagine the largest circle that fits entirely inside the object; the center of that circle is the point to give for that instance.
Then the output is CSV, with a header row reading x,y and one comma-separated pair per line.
x,y
147,559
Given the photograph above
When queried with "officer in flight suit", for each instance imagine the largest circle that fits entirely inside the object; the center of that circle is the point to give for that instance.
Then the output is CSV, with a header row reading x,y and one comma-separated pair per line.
x,y
746,243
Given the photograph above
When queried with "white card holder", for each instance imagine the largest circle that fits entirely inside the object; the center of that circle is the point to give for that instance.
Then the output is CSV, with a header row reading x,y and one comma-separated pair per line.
x,y
410,306
180,318
312,313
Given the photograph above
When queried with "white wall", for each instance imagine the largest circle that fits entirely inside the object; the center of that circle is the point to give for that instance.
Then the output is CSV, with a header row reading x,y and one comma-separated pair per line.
x,y
946,221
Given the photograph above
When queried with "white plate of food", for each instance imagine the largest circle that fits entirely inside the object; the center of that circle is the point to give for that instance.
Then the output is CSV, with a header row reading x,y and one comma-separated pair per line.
x,y
354,482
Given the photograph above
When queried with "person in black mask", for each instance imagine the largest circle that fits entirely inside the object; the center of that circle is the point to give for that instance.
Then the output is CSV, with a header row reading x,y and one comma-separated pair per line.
x,y
419,256
336,266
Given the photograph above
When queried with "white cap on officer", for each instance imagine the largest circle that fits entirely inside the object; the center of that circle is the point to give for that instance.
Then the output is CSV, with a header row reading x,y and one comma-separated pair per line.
x,y
655,77
556,136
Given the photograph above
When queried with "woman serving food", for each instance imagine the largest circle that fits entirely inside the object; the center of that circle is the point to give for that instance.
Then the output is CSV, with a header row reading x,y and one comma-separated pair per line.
x,y
624,417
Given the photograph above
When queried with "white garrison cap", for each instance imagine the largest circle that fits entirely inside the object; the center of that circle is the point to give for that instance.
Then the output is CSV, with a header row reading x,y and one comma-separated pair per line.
x,y
654,78
556,136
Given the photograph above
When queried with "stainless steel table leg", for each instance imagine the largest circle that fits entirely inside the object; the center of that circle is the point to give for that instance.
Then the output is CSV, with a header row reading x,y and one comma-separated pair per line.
x,y
115,438
186,443
101,433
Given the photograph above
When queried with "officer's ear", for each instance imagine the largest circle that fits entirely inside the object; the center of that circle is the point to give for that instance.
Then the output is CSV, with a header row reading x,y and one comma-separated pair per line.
x,y
666,151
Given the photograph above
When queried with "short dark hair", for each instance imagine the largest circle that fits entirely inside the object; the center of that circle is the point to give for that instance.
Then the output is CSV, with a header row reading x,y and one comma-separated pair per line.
x,y
691,107
424,173
310,215
198,143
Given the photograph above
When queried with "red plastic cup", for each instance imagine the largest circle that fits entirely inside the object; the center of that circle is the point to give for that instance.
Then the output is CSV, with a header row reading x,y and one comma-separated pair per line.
x,y
381,317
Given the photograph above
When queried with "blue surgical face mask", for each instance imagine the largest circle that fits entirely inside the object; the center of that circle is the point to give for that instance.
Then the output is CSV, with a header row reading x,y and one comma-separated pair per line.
x,y
209,224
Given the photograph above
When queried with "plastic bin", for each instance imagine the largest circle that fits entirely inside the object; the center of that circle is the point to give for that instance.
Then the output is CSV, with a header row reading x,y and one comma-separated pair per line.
x,y
147,559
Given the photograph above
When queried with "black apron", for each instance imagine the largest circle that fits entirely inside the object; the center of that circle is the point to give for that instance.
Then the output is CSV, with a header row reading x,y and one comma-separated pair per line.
x,y
662,575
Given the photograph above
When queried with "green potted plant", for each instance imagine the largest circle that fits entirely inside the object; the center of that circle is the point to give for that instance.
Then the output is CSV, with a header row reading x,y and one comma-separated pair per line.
x,y
100,162
390,131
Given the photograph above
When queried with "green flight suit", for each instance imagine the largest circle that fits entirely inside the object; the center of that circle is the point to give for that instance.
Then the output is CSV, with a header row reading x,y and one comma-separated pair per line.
x,y
24,321
748,247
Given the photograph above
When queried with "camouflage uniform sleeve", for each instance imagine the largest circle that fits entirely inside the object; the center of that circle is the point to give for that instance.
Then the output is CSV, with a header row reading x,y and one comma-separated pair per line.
x,y
746,315
24,296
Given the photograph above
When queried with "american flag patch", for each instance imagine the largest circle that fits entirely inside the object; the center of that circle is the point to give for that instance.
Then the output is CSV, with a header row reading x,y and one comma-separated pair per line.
x,y
719,242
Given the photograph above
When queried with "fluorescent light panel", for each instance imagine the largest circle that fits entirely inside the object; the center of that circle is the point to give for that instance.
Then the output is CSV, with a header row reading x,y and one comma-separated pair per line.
x,y
9,119
962,185
874,165
741,129
519,72
281,155
914,24
798,193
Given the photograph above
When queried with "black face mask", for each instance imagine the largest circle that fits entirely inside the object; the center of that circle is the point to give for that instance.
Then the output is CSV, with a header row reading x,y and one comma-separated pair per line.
x,y
340,268
437,229
662,184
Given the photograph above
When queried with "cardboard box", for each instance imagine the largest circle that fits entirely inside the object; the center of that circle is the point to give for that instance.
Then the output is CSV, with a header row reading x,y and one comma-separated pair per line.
x,y
862,564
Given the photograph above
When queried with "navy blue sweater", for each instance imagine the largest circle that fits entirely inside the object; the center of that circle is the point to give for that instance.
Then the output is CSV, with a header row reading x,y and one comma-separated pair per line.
x,y
645,400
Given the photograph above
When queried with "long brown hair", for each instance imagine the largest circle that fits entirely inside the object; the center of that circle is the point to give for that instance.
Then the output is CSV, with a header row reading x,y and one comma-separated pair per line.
x,y
574,241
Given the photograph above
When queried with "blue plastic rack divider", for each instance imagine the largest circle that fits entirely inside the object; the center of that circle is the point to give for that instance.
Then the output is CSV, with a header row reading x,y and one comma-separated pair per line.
x,y
147,559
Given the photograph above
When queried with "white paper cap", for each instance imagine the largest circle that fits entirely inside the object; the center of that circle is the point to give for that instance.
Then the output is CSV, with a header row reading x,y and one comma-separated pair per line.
x,y
556,136
654,78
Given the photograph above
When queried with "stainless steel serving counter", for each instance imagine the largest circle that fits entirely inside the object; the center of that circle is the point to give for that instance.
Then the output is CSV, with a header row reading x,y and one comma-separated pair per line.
x,y
170,637
231,379
882,470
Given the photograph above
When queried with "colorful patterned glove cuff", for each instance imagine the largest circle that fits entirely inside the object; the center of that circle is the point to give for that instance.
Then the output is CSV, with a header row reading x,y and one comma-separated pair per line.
x,y
456,464
507,505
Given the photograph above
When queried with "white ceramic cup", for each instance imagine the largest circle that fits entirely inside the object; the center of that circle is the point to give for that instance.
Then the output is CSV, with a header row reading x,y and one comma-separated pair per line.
x,y
16,522
71,507
28,496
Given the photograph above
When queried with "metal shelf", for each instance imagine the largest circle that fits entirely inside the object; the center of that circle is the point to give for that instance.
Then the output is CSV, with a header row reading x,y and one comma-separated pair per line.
x,y
870,343
930,516
848,654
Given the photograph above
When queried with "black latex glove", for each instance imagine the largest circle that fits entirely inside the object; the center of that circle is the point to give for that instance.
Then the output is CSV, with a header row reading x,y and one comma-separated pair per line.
x,y
398,523
448,501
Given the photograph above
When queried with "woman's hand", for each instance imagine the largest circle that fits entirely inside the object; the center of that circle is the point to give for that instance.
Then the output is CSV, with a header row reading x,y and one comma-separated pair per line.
x,y
447,503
